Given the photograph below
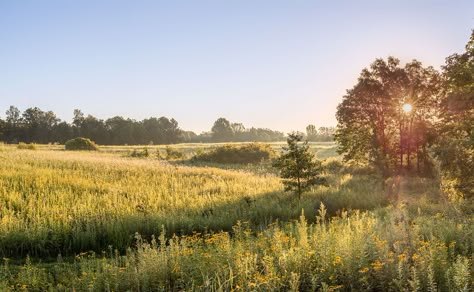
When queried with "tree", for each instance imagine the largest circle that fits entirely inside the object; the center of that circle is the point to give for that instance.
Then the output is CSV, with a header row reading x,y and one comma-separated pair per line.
x,y
120,130
455,146
39,125
373,128
311,132
13,131
62,132
3,126
222,130
94,129
297,166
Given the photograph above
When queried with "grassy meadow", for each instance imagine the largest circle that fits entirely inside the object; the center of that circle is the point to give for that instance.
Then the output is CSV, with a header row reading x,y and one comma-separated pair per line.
x,y
104,221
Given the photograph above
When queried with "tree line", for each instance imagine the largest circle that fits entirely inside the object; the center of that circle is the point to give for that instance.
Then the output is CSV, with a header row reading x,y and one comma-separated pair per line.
x,y
34,125
399,118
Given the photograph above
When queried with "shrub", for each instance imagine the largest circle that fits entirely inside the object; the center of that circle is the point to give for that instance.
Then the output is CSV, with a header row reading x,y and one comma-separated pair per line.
x,y
30,146
173,153
333,165
238,154
140,153
80,143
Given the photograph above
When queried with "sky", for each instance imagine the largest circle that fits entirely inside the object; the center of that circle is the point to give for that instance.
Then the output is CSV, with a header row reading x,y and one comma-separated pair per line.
x,y
265,63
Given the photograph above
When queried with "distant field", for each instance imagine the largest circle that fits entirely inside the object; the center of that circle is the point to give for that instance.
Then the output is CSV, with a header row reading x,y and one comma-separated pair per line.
x,y
218,227
321,149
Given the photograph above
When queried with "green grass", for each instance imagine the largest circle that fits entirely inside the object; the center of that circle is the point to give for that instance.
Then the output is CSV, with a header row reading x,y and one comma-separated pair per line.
x,y
322,149
226,227
58,201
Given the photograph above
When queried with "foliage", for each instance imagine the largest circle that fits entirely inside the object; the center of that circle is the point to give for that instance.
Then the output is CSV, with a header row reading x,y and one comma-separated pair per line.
x,y
455,146
36,125
333,165
172,154
319,135
372,127
297,166
238,154
69,202
140,153
353,251
30,146
222,130
80,143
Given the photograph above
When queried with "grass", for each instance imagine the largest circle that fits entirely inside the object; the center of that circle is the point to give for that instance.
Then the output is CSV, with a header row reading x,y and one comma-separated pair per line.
x,y
322,149
57,201
219,229
356,251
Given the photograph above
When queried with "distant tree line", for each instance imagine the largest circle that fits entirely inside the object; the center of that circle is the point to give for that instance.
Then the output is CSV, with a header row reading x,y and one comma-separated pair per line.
x,y
322,134
399,118
37,126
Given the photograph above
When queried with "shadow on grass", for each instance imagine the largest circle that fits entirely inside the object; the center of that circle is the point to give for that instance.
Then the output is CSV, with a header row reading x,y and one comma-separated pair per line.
x,y
104,232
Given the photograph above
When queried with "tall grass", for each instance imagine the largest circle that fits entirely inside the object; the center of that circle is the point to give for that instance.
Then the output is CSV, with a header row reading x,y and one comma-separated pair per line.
x,y
57,201
357,251
92,217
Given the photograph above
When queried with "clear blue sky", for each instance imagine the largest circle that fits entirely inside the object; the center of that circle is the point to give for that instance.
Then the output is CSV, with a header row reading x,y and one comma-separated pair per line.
x,y
275,64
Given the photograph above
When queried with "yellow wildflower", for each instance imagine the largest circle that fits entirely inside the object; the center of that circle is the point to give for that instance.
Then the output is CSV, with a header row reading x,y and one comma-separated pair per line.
x,y
364,270
377,265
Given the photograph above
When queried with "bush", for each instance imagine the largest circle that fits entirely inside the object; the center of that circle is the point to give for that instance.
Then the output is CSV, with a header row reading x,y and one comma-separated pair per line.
x,y
333,165
80,143
172,154
238,154
31,146
140,153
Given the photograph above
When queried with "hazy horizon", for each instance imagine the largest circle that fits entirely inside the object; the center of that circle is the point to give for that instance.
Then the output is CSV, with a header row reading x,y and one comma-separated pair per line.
x,y
269,64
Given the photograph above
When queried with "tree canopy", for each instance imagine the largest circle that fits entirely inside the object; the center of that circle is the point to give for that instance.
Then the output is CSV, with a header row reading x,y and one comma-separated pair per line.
x,y
38,126
455,148
395,116
372,124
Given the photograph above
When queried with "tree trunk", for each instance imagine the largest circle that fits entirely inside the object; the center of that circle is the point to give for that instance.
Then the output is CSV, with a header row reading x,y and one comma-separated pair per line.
x,y
401,146
418,159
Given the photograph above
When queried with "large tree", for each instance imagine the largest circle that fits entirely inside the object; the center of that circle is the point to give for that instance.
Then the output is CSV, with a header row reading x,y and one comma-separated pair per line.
x,y
455,148
222,131
39,125
13,128
372,126
311,132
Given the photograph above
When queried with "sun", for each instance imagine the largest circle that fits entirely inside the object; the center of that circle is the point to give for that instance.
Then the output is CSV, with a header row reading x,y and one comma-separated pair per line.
x,y
407,107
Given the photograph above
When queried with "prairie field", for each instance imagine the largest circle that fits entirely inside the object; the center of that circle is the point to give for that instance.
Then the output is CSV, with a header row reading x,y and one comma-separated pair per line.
x,y
104,221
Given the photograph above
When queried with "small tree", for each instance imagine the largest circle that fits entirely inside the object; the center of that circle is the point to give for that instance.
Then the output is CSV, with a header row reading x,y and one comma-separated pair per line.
x,y
297,166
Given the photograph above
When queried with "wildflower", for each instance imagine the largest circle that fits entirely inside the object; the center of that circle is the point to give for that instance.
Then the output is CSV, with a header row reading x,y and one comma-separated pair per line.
x,y
402,257
377,265
415,256
364,270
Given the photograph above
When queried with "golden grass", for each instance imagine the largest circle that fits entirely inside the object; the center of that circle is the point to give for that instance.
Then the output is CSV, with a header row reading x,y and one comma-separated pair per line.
x,y
102,208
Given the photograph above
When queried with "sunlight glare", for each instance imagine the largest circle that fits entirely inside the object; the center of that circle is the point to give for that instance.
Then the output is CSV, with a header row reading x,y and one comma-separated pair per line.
x,y
407,107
